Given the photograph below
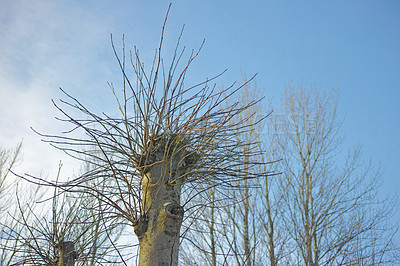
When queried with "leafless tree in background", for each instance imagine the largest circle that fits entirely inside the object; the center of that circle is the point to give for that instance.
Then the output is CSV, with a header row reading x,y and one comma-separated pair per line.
x,y
45,229
321,209
8,160
241,226
331,207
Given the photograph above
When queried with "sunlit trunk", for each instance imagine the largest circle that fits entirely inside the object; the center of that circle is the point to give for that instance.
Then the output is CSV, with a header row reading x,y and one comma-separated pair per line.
x,y
158,229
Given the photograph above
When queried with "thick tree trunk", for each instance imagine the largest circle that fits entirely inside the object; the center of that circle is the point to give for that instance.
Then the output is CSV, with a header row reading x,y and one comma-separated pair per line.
x,y
160,243
158,229
67,257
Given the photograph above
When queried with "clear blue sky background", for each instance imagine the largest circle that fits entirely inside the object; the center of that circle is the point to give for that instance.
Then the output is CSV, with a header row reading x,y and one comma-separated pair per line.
x,y
353,46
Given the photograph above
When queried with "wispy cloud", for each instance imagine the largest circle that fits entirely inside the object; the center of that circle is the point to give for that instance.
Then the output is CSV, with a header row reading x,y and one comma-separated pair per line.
x,y
45,44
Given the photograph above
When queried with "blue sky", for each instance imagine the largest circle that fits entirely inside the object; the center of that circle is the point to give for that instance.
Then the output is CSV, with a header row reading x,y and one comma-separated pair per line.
x,y
353,46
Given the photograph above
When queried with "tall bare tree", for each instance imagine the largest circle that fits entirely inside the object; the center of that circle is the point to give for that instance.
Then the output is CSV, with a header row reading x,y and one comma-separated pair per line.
x,y
331,209
170,143
8,160
321,209
242,225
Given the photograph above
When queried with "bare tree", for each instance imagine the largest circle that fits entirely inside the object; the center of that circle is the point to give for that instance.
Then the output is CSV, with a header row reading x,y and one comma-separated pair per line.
x,y
236,220
171,143
331,208
322,209
68,230
204,241
242,225
8,160
262,198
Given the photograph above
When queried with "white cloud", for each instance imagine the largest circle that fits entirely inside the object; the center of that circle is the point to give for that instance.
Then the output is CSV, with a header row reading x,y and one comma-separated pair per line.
x,y
46,44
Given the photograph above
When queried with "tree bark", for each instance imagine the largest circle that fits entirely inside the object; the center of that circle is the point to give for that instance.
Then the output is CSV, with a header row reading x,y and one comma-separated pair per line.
x,y
158,229
68,254
160,242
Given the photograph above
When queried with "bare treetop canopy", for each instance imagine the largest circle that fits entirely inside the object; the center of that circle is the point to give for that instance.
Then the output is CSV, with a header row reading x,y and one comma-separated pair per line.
x,y
169,138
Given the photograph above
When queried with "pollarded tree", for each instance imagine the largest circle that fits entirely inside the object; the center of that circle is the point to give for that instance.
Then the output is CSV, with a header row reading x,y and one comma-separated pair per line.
x,y
170,143
62,229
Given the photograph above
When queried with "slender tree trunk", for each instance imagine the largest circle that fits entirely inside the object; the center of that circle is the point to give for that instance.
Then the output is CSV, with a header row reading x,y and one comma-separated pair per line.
x,y
270,231
246,237
211,227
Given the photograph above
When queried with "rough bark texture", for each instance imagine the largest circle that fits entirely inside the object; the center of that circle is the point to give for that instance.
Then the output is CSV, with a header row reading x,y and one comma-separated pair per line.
x,y
158,229
160,242
68,254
